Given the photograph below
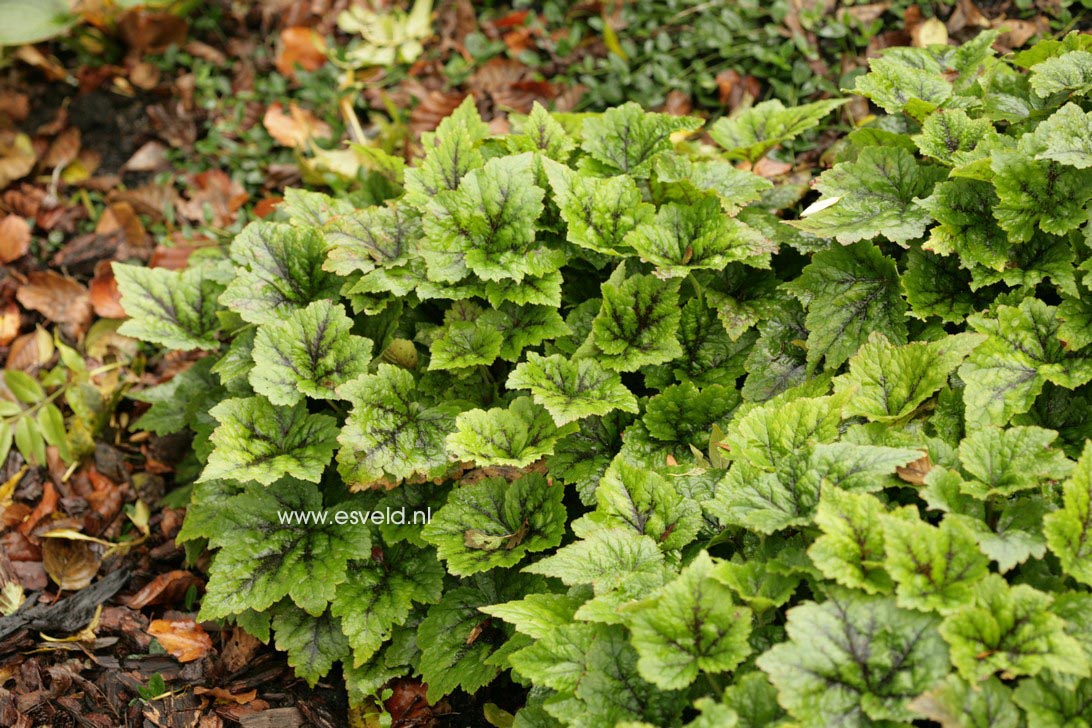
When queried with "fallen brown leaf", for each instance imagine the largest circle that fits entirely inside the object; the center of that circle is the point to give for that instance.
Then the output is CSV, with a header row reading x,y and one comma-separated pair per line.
x,y
30,351
11,320
915,472
166,588
46,505
295,127
151,31
226,695
71,564
61,300
14,238
300,46
929,32
238,650
17,157
769,168
103,289
183,639
433,107
63,150
151,157
214,197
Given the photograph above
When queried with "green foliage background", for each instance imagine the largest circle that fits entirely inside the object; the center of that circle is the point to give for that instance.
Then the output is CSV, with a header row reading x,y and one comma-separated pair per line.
x,y
694,457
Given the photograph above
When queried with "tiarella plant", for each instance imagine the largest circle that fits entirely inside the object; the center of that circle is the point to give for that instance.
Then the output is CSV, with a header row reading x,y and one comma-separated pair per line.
x,y
686,463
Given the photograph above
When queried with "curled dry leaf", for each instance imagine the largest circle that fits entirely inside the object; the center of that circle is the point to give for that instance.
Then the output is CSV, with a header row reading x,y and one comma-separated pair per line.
x,y
183,639
915,472
71,564
30,351
61,300
295,127
151,157
151,31
11,318
167,588
63,150
300,46
227,696
238,650
103,289
434,106
17,157
14,238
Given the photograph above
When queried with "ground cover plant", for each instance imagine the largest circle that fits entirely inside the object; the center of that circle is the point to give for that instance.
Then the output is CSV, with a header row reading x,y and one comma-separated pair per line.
x,y
691,457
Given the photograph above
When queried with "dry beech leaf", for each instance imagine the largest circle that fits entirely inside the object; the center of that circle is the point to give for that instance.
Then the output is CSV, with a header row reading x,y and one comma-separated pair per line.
x,y
61,300
915,472
183,639
152,31
151,157
300,46
238,650
295,127
103,289
226,695
929,32
30,351
70,564
64,149
166,588
14,238
17,157
11,319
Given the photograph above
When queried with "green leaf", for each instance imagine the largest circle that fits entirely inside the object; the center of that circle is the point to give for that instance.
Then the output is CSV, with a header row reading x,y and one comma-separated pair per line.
x,y
1069,530
313,644
264,556
627,139
688,626
279,270
760,587
309,354
258,441
599,212
23,21
607,558
463,344
1010,629
754,131
1069,73
686,237
956,702
1033,193
686,179
937,286
637,322
1067,135
1055,703
539,132
516,436
380,592
309,208
964,209
363,240
872,196
487,226
450,153
949,135
25,387
494,523
392,433
890,382
1005,462
898,85
935,568
1006,373
522,327
851,548
175,309
853,660
571,390
629,496
754,701
849,293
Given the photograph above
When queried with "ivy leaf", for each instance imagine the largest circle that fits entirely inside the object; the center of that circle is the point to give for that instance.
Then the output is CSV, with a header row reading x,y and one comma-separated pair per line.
x,y
571,390
263,557
487,226
849,292
494,523
1006,373
637,322
872,196
363,240
380,592
891,382
175,309
1067,136
516,436
1005,462
688,626
956,702
313,644
257,441
599,212
854,659
851,548
1069,530
754,131
686,237
309,354
630,496
935,568
1010,629
392,434
627,139
279,269
1068,73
